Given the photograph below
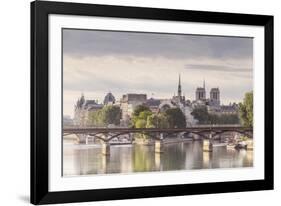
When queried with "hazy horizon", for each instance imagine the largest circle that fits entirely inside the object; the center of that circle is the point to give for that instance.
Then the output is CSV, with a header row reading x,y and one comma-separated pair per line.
x,y
96,62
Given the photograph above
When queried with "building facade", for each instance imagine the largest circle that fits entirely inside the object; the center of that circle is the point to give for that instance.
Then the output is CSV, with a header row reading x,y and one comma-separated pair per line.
x,y
214,97
82,109
129,102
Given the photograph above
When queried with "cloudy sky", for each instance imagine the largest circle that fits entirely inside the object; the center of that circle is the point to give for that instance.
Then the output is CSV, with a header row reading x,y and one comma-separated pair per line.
x,y
96,62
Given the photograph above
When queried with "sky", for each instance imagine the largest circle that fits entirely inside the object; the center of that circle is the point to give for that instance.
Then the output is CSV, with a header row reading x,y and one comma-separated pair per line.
x,y
97,62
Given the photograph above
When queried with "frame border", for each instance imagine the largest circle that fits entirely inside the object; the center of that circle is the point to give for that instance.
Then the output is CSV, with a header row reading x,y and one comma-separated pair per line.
x,y
39,193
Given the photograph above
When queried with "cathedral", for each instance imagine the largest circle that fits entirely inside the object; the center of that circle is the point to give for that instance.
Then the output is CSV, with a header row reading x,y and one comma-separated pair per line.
x,y
128,103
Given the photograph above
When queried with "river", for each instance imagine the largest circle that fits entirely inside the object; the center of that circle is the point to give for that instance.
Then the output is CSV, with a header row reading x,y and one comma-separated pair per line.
x,y
87,159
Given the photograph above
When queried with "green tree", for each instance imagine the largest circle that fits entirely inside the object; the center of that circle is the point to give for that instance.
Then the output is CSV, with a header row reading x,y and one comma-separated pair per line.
x,y
139,109
157,121
140,123
144,115
204,117
105,116
176,118
246,110
201,114
111,115
140,112
94,119
224,119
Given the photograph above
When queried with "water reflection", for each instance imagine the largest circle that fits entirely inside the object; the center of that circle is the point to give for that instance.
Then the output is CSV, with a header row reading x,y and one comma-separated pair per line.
x,y
87,159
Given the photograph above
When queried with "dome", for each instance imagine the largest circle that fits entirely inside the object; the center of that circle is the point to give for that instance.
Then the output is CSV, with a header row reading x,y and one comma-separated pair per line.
x,y
109,98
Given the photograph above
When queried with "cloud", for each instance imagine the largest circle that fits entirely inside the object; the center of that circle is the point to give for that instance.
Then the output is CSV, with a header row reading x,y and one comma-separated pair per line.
x,y
219,68
139,75
96,62
82,43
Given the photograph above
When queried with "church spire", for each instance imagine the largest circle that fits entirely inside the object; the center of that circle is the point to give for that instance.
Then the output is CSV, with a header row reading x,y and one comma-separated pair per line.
x,y
204,83
179,86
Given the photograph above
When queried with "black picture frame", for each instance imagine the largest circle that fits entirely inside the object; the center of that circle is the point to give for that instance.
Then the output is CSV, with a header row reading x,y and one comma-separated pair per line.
x,y
39,102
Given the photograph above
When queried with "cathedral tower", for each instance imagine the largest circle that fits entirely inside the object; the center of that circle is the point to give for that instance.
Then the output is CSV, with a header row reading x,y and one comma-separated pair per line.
x,y
179,86
201,93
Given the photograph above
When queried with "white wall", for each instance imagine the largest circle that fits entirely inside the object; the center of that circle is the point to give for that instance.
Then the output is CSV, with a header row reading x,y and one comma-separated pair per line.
x,y
14,96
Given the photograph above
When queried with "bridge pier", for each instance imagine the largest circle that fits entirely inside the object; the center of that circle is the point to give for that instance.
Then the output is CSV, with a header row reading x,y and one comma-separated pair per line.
x,y
159,146
82,138
207,145
250,144
157,159
105,148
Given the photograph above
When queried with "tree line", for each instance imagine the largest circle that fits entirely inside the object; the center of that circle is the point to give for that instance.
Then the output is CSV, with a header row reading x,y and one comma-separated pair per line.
x,y
202,115
244,115
143,117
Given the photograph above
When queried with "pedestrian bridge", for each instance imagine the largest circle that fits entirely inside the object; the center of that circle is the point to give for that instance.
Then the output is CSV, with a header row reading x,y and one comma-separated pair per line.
x,y
203,131
206,132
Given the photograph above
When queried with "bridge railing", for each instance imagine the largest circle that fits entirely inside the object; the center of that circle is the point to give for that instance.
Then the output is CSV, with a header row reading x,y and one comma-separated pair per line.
x,y
81,130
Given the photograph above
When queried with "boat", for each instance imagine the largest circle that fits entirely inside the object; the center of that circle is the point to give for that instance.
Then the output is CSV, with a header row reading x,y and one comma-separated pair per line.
x,y
230,146
241,145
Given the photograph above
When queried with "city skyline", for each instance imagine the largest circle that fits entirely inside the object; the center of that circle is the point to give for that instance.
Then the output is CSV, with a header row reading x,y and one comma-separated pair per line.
x,y
98,62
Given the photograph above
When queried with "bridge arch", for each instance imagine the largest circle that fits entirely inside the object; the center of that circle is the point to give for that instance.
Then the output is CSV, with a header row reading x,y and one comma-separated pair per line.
x,y
197,133
247,134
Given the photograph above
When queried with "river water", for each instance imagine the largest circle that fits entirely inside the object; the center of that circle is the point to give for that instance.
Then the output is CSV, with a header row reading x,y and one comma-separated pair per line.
x,y
87,159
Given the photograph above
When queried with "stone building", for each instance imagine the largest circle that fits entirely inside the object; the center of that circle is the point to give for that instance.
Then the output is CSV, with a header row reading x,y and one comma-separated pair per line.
x,y
230,109
200,94
82,109
109,99
153,104
214,97
129,102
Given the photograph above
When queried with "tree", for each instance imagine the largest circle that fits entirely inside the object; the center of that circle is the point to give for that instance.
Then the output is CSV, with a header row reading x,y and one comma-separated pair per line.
x,y
140,112
105,116
94,118
111,115
176,118
201,114
157,121
139,109
246,110
140,123
204,117
224,119
144,115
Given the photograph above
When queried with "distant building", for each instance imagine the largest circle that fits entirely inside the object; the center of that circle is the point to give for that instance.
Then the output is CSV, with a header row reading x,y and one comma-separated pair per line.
x,y
231,109
213,103
109,99
202,100
153,104
179,98
200,94
82,109
129,102
214,97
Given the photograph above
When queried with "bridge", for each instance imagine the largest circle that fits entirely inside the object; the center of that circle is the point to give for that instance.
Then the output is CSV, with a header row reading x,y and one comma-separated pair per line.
x,y
206,132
